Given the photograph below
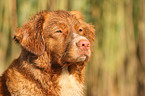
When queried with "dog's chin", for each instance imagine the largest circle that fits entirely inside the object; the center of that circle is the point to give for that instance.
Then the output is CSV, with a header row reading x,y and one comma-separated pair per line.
x,y
81,58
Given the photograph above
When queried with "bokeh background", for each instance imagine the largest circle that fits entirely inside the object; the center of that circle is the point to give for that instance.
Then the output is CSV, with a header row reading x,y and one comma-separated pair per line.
x,y
117,66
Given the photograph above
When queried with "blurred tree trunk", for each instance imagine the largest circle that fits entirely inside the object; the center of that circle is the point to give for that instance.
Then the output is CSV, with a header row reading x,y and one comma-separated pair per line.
x,y
51,4
2,51
5,31
42,5
141,49
13,17
58,5
12,28
132,63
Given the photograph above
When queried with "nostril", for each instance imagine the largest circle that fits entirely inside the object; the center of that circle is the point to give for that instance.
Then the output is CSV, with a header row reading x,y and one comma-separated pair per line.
x,y
88,45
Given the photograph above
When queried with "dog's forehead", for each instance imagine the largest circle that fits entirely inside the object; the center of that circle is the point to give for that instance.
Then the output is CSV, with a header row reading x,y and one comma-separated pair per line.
x,y
61,16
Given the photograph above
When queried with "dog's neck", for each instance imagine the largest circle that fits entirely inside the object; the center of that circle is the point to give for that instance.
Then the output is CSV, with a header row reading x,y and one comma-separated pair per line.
x,y
69,84
69,78
43,62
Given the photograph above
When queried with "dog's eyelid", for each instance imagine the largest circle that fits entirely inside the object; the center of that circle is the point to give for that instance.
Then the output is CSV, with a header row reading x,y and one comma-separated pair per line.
x,y
81,28
59,31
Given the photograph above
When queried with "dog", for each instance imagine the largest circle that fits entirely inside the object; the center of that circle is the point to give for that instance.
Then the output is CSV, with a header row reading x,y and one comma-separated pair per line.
x,y
55,48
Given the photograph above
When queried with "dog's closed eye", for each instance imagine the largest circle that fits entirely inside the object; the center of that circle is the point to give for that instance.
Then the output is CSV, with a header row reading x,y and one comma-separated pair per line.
x,y
59,31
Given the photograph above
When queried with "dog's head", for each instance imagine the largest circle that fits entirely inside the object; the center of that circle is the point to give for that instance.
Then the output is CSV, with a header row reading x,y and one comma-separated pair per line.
x,y
63,35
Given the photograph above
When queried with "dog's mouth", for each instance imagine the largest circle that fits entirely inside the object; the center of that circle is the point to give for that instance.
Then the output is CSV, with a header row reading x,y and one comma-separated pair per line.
x,y
83,56
80,57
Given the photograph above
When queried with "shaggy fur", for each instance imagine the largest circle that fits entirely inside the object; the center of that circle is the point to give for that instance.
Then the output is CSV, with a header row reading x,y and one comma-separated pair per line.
x,y
53,57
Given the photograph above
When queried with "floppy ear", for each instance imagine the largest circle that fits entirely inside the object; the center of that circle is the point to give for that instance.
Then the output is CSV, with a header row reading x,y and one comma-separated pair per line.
x,y
77,14
29,35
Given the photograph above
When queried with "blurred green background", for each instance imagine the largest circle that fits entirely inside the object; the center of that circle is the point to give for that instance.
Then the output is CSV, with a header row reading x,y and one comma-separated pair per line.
x,y
117,66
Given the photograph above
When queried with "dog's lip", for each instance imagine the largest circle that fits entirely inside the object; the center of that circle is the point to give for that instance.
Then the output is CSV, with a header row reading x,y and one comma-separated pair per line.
x,y
80,58
83,57
84,53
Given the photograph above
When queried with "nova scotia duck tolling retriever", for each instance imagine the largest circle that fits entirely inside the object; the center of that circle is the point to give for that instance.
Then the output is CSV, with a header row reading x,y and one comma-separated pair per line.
x,y
55,47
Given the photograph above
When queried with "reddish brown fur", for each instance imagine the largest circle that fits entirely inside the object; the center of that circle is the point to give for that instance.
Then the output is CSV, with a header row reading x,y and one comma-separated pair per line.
x,y
45,52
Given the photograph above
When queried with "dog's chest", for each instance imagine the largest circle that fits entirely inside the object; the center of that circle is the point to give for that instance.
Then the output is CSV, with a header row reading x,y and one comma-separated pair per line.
x,y
69,86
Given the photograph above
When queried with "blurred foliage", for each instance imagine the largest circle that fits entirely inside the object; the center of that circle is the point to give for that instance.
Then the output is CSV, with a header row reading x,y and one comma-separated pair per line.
x,y
117,66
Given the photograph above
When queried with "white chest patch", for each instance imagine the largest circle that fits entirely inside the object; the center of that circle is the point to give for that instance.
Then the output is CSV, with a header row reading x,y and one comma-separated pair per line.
x,y
69,85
